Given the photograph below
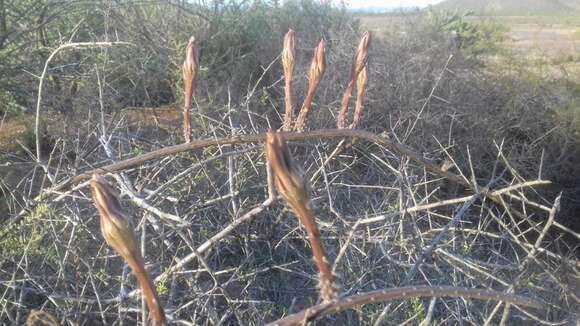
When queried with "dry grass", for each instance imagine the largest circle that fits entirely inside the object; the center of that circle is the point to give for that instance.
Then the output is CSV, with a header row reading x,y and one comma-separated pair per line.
x,y
553,40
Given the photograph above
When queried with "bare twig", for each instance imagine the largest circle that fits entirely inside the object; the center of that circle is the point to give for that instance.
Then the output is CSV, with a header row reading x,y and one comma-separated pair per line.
x,y
531,255
241,139
80,45
408,292
246,139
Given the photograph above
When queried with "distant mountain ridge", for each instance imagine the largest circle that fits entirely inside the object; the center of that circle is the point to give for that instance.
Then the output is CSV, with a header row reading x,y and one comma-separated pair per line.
x,y
378,10
513,7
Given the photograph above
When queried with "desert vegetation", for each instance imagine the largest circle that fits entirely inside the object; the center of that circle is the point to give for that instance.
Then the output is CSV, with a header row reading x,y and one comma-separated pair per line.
x,y
281,166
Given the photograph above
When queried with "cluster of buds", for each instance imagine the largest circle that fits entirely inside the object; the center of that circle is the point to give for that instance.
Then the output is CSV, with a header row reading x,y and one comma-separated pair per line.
x,y
358,77
118,233
290,183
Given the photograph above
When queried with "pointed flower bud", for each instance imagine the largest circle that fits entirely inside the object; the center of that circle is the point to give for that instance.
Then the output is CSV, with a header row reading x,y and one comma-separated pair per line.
x,y
288,176
118,233
362,53
361,85
289,180
317,68
115,226
288,53
288,64
190,69
318,65
359,63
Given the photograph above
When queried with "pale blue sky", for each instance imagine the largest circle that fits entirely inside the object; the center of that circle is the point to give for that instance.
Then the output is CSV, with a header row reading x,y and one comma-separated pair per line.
x,y
389,3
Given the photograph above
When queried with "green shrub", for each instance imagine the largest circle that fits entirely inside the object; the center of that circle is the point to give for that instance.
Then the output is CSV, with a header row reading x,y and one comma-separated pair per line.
x,y
474,38
25,237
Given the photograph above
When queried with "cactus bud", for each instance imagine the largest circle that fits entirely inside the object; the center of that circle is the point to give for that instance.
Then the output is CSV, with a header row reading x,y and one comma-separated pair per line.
x,y
190,69
288,64
315,74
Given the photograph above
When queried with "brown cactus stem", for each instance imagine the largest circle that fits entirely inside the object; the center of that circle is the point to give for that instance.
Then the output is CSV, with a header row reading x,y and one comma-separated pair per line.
x,y
316,72
359,63
190,68
288,64
149,293
291,185
344,105
326,277
118,233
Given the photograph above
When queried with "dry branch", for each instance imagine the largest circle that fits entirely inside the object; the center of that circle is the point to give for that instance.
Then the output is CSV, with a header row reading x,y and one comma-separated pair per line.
x,y
80,45
208,244
335,306
136,161
242,139
256,138
448,202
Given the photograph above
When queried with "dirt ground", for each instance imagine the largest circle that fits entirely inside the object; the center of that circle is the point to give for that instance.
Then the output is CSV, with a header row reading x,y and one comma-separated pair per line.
x,y
554,41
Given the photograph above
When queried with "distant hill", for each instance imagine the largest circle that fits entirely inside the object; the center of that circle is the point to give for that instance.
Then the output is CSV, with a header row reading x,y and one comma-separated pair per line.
x,y
381,10
513,7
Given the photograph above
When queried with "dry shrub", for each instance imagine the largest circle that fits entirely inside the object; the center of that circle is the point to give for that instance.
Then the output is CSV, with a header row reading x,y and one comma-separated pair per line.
x,y
385,220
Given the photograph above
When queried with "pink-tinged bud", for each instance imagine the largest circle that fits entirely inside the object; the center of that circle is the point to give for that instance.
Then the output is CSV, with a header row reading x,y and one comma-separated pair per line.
x,y
361,85
115,226
288,64
288,53
317,68
289,180
359,63
288,176
318,65
190,64
118,233
362,53
190,69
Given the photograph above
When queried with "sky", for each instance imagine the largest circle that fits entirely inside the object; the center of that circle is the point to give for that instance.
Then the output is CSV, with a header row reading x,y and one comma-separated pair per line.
x,y
389,3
